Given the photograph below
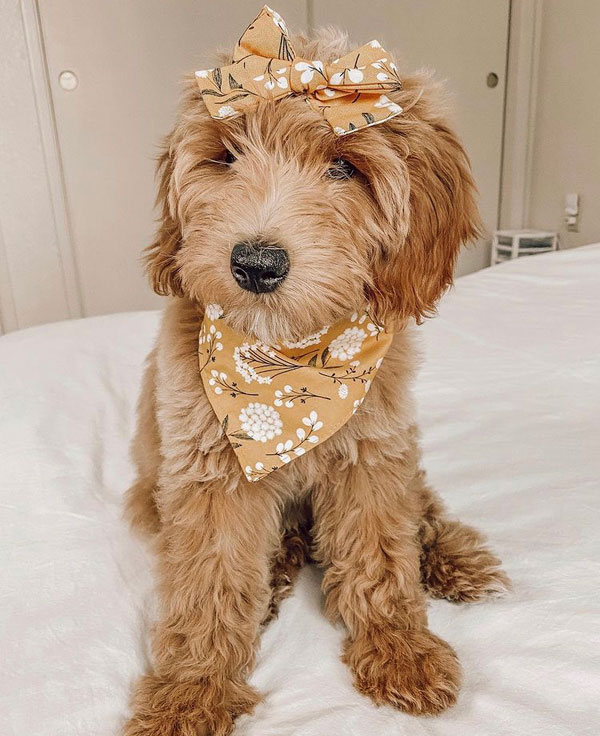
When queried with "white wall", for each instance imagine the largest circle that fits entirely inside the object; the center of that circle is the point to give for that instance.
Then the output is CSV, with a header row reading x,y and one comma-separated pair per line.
x,y
552,126
566,143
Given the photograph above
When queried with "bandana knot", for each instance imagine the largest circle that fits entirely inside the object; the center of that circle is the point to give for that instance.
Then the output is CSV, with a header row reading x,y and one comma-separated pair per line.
x,y
350,92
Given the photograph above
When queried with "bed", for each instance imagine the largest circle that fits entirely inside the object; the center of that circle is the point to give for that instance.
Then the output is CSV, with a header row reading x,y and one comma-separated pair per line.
x,y
509,402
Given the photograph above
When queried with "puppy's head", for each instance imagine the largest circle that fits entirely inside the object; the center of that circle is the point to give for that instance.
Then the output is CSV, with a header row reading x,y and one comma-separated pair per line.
x,y
289,227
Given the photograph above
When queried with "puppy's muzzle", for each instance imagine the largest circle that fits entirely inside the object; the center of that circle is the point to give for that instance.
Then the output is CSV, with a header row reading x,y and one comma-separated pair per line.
x,y
258,267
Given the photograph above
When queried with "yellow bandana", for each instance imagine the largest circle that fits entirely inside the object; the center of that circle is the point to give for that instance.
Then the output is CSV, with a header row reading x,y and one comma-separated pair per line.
x,y
277,402
349,92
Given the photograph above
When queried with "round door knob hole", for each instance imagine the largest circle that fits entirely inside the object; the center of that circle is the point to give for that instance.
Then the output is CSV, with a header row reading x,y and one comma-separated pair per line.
x,y
68,80
492,79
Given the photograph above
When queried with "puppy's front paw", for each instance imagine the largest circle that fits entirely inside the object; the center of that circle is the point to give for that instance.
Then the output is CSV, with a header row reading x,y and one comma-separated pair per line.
x,y
170,708
160,724
414,671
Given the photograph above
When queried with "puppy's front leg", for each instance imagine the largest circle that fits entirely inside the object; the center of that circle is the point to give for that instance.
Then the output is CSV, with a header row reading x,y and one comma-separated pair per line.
x,y
215,552
366,532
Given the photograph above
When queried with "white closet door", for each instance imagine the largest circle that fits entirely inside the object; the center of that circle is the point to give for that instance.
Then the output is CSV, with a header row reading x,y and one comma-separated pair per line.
x,y
128,58
463,41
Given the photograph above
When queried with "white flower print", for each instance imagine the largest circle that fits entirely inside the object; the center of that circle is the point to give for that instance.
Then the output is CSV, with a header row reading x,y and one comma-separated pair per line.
x,y
384,101
357,403
383,75
374,329
214,311
346,345
378,363
289,395
226,111
339,131
314,424
255,473
354,75
260,421
211,339
277,19
281,82
220,383
312,421
343,391
374,44
281,397
308,70
216,376
313,339
242,354
282,450
203,73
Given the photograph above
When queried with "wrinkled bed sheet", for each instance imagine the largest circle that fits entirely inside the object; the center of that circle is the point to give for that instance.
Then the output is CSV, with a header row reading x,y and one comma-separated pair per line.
x,y
509,402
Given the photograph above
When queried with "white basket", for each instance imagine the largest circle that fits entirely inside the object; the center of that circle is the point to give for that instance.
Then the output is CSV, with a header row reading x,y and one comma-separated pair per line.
x,y
507,244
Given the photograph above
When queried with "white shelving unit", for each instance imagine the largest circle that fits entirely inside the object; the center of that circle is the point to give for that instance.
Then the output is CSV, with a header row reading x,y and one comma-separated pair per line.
x,y
508,244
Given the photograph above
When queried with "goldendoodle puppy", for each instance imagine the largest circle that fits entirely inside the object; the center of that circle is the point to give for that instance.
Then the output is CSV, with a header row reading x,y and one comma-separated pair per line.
x,y
279,232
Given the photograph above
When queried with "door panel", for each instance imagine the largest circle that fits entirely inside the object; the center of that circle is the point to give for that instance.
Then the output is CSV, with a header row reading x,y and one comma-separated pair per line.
x,y
462,41
128,58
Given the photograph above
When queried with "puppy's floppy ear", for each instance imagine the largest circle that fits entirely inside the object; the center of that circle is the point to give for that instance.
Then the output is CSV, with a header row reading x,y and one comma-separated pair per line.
x,y
160,257
442,208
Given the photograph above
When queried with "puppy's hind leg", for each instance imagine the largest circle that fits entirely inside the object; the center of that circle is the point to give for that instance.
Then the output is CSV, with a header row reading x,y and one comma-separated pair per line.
x,y
293,554
456,563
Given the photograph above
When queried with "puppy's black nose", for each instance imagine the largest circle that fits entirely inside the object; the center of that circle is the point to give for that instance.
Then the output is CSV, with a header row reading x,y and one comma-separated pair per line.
x,y
258,267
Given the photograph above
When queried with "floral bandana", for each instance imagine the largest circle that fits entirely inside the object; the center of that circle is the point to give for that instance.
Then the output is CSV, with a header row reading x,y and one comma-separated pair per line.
x,y
349,92
277,402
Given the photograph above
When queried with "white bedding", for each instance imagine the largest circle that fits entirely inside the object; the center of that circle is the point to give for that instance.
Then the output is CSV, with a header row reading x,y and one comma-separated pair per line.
x,y
509,402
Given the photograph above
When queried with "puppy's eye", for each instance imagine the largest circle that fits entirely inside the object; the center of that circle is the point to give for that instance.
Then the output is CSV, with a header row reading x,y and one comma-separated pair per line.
x,y
341,169
229,157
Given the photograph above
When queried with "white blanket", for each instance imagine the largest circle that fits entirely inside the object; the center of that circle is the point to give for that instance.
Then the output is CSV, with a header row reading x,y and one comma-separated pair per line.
x,y
509,403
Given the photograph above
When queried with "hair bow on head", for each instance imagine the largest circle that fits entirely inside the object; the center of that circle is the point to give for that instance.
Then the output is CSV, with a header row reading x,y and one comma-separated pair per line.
x,y
349,92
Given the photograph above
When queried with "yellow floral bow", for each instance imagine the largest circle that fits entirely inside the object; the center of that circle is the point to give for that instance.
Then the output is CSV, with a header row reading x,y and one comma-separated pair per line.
x,y
276,402
349,92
